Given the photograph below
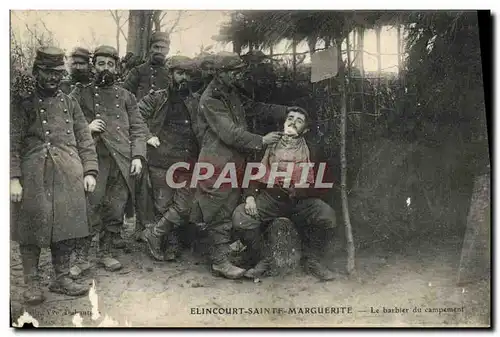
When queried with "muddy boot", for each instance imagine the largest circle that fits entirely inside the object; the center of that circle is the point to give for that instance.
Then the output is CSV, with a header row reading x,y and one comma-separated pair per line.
x,y
153,244
315,268
63,284
313,252
259,270
172,246
221,265
82,259
105,257
252,239
30,256
154,237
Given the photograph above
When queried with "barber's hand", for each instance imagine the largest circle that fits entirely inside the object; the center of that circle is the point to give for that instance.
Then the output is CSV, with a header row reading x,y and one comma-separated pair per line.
x,y
251,207
136,167
16,190
272,137
97,125
89,183
154,142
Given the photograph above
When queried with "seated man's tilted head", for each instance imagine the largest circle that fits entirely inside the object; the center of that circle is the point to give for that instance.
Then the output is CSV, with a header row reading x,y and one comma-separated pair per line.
x,y
296,122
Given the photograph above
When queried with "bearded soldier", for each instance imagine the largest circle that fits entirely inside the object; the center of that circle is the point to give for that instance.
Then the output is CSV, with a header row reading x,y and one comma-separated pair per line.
x,y
170,115
79,68
140,81
225,139
151,75
53,164
314,218
119,133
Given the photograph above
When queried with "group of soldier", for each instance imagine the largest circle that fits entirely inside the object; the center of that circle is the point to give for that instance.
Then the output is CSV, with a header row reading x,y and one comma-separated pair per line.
x,y
87,150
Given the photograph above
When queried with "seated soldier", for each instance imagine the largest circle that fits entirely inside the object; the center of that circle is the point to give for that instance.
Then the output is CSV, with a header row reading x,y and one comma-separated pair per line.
x,y
314,219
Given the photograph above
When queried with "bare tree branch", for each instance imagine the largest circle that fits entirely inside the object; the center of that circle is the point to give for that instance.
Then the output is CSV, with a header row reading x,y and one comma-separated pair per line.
x,y
156,19
34,35
163,16
117,18
176,23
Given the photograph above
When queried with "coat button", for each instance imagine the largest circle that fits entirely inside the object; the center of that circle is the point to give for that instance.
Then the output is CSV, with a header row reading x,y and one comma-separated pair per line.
x,y
62,99
116,96
118,105
186,121
65,110
68,131
67,120
97,104
98,115
96,94
40,100
48,143
118,116
42,110
117,128
44,122
47,132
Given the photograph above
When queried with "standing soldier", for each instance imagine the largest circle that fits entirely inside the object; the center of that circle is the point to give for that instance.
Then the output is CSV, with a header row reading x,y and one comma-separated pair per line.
x,y
151,75
140,81
79,68
119,134
225,140
170,115
53,164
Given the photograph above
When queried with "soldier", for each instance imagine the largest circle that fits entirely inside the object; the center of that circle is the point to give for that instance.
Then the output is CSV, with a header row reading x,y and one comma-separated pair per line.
x,y
314,218
225,139
53,164
169,114
151,75
80,70
140,81
119,132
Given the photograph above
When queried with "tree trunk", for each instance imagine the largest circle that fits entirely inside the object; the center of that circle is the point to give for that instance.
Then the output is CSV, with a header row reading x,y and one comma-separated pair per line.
x,y
476,258
237,47
118,40
139,31
156,20
379,71
343,163
294,61
398,41
311,42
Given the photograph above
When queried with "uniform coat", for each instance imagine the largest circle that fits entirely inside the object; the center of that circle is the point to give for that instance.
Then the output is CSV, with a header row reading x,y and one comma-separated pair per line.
x,y
145,78
51,151
225,139
155,111
124,137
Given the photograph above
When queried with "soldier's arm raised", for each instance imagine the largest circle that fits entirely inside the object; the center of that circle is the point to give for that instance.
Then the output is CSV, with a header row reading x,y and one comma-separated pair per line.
x,y
263,110
217,116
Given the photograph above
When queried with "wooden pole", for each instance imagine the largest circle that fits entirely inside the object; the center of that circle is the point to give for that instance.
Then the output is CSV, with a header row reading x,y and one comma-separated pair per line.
x,y
343,163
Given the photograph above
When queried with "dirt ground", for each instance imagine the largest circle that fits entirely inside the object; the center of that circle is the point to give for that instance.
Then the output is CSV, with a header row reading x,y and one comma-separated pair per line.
x,y
153,294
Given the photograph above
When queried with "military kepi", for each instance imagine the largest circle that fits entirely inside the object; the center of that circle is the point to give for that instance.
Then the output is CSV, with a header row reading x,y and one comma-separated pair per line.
x,y
49,58
160,37
106,51
81,52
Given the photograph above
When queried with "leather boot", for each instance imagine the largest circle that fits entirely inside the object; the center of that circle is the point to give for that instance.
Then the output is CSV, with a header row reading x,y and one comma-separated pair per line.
x,y
63,284
221,265
252,239
313,252
82,264
30,256
315,268
172,246
259,270
105,257
153,244
154,237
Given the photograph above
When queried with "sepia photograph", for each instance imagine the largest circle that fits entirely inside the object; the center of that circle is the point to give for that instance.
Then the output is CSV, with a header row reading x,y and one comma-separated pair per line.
x,y
250,168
